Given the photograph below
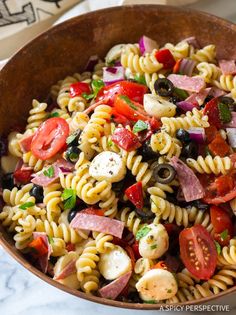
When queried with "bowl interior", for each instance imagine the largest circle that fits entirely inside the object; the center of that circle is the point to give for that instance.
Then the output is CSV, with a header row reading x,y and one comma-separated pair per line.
x,y
65,49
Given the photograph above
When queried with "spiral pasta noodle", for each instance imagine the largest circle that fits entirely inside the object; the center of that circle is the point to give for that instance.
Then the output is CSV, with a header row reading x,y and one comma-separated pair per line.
x,y
33,161
226,82
208,165
181,50
18,196
103,242
6,218
191,119
130,219
163,143
52,200
37,115
24,229
208,71
90,282
228,254
206,54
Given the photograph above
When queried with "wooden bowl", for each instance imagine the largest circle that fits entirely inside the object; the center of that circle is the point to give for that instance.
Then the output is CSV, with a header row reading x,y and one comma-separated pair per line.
x,y
65,49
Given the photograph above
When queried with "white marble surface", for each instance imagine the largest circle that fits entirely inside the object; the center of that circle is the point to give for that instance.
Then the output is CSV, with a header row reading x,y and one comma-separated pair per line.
x,y
22,293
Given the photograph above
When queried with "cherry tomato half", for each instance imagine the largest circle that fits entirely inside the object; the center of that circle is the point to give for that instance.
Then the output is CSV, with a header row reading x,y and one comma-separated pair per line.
x,y
212,111
50,138
125,139
198,252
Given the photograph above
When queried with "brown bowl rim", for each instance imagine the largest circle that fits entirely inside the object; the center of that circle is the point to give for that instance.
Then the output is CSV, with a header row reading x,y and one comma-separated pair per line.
x,y
8,247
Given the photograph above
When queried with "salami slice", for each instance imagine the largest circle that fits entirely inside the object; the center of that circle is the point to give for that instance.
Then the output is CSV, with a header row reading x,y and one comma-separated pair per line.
x,y
191,84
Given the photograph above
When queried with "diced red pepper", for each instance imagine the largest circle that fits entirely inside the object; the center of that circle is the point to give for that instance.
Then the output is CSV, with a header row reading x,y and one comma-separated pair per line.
x,y
23,176
224,184
94,211
120,119
219,146
125,139
39,246
78,88
177,66
135,194
210,133
154,124
212,111
165,57
134,91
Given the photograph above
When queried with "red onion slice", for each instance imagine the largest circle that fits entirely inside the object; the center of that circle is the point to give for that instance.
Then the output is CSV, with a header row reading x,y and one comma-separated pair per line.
x,y
146,45
187,66
197,134
231,134
109,77
185,106
93,60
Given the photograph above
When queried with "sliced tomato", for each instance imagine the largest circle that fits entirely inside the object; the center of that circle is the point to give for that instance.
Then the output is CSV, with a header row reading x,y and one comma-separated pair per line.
x,y
70,247
221,222
130,109
130,252
125,139
218,189
78,88
134,91
210,133
50,138
212,111
154,124
198,252
39,246
177,66
135,194
120,119
165,57
23,176
135,248
94,211
219,146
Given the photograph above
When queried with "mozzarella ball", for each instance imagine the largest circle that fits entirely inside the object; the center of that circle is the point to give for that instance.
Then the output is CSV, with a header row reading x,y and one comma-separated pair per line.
x,y
157,284
108,166
157,106
114,53
114,263
155,243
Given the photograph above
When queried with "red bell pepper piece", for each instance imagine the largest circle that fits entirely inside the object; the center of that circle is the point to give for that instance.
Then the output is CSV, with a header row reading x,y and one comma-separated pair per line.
x,y
177,66
212,111
135,248
39,246
23,176
219,146
94,211
165,57
130,252
119,118
135,194
125,139
78,88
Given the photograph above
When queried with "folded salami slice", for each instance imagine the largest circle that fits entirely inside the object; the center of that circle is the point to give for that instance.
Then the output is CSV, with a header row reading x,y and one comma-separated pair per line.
x,y
190,184
25,143
97,223
113,289
43,260
227,66
69,269
191,84
198,98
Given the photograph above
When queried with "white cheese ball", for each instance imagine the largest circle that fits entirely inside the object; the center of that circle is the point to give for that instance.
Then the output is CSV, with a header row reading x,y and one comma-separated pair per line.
x,y
108,166
155,243
114,263
158,107
157,284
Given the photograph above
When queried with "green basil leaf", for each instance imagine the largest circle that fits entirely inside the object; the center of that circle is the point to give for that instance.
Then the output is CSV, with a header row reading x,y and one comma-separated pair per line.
x,y
154,246
218,247
26,205
50,239
96,86
182,94
49,172
88,96
150,302
224,234
142,232
128,101
55,114
140,126
69,197
67,193
140,79
225,113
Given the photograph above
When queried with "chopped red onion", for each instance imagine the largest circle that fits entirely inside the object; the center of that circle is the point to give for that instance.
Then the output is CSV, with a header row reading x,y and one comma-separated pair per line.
x,y
197,134
93,60
111,69
192,41
117,63
231,134
146,45
231,124
64,170
114,76
187,66
185,106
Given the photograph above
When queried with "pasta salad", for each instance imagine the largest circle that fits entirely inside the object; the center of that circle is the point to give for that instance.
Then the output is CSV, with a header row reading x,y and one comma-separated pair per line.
x,y
122,184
